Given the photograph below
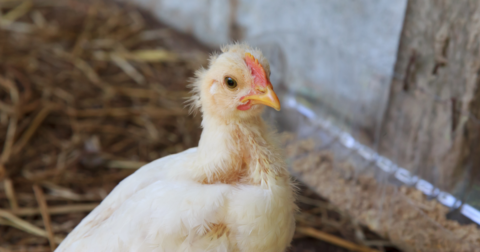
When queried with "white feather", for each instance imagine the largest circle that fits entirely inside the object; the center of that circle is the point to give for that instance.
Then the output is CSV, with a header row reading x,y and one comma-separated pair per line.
x,y
149,211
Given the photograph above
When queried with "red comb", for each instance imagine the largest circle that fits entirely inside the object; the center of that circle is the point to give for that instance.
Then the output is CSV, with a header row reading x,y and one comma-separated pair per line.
x,y
258,73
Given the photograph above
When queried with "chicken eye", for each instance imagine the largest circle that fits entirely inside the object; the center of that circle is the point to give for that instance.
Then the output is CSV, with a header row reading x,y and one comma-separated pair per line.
x,y
230,82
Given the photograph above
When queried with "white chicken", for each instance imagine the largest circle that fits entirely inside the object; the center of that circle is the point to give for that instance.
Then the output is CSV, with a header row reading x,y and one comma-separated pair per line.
x,y
231,193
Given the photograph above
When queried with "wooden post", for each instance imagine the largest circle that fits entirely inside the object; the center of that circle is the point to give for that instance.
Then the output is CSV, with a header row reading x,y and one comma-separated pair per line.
x,y
429,124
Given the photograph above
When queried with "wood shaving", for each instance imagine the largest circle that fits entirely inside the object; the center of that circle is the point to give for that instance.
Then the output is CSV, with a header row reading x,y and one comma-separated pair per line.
x,y
403,214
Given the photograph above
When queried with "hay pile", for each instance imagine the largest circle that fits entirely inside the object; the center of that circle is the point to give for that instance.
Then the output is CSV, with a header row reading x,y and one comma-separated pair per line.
x,y
89,92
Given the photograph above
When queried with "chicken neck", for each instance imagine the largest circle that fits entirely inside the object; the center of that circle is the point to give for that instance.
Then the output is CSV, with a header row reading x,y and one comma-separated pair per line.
x,y
235,152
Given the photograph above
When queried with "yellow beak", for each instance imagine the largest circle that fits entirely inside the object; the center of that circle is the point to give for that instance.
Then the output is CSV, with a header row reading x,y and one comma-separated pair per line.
x,y
265,97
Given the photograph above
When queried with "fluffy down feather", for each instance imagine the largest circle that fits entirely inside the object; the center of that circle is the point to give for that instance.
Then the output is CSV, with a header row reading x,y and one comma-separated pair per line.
x,y
232,193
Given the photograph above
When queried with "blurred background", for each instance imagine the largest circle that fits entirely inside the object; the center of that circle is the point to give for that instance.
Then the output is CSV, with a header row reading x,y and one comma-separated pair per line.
x,y
380,115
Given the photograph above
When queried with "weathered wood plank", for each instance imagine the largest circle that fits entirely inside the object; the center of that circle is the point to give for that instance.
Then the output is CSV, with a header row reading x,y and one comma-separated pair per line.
x,y
427,127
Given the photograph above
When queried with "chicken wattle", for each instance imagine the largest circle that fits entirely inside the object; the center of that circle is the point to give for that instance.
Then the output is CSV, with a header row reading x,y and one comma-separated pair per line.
x,y
231,193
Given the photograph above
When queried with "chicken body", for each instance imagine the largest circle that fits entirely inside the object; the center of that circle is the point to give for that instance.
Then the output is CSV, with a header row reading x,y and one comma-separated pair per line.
x,y
231,193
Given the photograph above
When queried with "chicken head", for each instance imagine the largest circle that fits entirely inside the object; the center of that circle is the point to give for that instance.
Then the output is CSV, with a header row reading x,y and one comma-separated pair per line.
x,y
236,84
